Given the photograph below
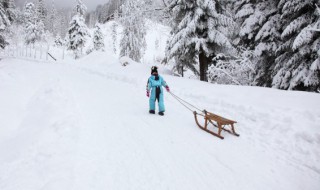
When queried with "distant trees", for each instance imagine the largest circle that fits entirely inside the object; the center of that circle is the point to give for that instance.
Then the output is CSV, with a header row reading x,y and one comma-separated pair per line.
x,y
114,37
133,41
41,11
80,9
98,38
105,12
53,20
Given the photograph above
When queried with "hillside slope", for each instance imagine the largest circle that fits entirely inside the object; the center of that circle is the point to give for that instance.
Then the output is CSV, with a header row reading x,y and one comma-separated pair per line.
x,y
85,125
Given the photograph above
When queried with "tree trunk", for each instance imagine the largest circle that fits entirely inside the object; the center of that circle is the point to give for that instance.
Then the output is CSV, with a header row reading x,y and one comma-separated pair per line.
x,y
204,62
182,70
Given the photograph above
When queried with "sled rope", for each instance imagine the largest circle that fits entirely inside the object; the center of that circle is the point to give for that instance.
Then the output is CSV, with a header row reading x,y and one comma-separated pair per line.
x,y
185,103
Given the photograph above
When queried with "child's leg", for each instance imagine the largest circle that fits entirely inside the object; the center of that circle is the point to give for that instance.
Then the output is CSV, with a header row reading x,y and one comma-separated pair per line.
x,y
152,101
161,103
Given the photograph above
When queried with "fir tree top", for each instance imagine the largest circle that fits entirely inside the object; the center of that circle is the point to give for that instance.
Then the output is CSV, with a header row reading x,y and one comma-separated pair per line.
x,y
80,8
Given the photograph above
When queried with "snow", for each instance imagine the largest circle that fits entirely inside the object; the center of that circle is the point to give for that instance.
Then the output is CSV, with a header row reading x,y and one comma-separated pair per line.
x,y
85,124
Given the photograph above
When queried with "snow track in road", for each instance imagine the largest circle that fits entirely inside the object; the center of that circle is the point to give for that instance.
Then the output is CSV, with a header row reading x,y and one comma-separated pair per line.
x,y
44,144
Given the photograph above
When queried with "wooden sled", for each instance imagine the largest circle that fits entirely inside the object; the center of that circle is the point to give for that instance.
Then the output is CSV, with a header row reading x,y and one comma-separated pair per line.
x,y
218,122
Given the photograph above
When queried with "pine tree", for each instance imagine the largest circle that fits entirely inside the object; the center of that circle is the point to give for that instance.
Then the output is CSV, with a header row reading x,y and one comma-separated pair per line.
x,y
98,38
4,19
80,9
10,8
58,41
4,23
77,35
62,23
114,37
29,19
34,27
295,66
260,27
133,41
53,20
198,33
29,12
78,30
41,11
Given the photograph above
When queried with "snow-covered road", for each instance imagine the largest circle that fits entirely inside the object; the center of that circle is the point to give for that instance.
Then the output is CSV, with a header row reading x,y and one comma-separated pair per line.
x,y
85,125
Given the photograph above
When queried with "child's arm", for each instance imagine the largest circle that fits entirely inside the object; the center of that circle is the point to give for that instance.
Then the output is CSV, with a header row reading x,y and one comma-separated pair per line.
x,y
148,87
164,84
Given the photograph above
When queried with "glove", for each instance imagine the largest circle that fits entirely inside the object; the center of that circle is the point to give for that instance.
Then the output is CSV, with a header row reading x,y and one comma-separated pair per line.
x,y
148,94
167,88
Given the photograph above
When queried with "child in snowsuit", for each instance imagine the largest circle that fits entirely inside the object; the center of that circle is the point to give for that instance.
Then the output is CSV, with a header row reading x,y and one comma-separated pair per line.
x,y
155,83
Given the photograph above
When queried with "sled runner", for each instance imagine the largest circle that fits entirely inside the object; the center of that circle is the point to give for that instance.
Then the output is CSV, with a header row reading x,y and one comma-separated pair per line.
x,y
218,122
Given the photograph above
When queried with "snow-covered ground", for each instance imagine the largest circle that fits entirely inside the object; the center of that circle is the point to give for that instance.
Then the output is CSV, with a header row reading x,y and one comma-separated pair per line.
x,y
85,125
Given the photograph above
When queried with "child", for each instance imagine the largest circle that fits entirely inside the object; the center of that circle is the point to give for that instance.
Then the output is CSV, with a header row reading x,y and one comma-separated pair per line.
x,y
155,83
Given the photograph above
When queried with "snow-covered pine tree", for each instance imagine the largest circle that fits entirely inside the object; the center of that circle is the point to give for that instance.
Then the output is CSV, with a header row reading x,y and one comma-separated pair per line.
x,y
59,41
260,27
80,8
4,23
295,64
77,34
34,27
10,7
63,23
199,33
133,41
98,38
29,12
114,37
53,20
78,31
41,11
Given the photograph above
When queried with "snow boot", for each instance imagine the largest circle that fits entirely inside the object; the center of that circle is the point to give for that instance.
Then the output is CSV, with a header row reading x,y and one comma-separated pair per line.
x,y
161,113
152,112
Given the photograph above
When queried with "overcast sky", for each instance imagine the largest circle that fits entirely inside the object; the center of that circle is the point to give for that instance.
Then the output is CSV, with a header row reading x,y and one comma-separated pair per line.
x,y
91,4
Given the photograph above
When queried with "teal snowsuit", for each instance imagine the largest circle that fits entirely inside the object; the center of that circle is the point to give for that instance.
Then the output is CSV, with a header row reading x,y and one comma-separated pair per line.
x,y
156,92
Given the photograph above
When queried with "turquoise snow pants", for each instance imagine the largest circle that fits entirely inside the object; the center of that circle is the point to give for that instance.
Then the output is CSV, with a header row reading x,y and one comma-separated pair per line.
x,y
156,95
